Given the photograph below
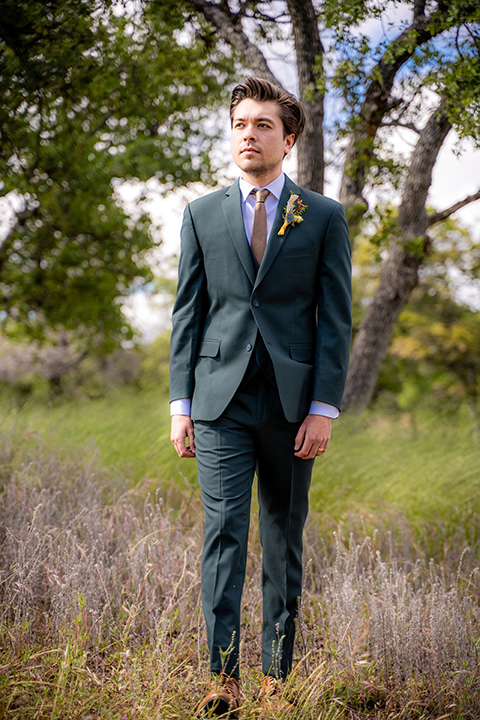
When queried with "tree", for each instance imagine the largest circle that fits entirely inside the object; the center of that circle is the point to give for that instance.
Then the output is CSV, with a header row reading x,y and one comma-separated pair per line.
x,y
430,42
89,93
434,351
422,78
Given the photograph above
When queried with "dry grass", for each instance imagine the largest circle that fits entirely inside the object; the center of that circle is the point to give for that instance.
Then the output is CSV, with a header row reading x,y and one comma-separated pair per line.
x,y
100,610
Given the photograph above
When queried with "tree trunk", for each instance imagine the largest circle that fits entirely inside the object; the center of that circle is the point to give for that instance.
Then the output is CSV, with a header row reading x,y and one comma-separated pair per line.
x,y
400,270
309,53
398,279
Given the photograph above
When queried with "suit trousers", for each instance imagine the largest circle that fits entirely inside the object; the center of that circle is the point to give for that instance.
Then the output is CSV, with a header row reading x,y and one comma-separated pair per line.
x,y
252,435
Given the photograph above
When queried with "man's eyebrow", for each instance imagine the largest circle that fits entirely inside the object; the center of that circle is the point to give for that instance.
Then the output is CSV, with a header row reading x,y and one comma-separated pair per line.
x,y
256,119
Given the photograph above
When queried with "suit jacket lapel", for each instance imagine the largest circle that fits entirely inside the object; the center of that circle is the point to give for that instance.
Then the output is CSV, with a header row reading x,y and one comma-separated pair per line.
x,y
276,241
232,209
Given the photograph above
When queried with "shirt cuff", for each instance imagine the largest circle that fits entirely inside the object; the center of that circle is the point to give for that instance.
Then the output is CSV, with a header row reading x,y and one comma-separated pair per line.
x,y
320,408
181,407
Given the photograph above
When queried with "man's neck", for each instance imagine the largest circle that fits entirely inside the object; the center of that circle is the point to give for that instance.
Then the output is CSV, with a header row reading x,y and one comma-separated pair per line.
x,y
261,181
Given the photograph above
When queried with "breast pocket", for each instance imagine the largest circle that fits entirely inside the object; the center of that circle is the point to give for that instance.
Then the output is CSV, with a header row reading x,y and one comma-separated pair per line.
x,y
297,250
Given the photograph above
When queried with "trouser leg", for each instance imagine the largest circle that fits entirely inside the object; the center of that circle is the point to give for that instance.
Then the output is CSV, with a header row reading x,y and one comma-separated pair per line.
x,y
283,485
252,434
226,467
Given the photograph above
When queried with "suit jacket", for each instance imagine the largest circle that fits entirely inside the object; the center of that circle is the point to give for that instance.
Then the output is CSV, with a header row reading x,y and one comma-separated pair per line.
x,y
299,302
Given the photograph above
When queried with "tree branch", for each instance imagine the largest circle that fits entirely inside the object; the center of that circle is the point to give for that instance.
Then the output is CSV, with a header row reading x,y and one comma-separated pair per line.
x,y
419,8
444,214
229,29
102,122
399,124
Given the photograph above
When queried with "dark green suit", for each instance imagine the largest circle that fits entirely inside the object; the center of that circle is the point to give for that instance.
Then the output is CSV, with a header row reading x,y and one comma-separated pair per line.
x,y
252,347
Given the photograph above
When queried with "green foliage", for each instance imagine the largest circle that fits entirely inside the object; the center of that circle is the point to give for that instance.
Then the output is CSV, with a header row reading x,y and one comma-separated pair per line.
x,y
342,15
90,92
435,349
461,83
128,428
384,221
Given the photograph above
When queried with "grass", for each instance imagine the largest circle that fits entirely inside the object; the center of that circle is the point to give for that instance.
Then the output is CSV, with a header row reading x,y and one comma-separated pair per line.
x,y
128,428
421,468
100,540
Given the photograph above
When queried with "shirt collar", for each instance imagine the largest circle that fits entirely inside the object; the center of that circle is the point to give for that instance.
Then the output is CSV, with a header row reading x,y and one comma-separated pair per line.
x,y
275,187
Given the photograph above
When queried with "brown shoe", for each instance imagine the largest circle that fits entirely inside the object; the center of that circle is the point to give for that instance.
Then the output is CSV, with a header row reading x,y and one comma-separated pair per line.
x,y
223,698
272,692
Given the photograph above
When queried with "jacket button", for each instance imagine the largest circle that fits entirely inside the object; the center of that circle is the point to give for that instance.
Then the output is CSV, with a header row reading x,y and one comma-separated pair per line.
x,y
249,347
256,303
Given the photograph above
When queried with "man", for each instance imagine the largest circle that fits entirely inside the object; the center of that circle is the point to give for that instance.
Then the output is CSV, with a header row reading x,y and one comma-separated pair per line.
x,y
259,355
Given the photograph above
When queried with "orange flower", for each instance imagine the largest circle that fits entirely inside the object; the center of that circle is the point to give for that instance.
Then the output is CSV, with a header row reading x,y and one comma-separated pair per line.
x,y
293,212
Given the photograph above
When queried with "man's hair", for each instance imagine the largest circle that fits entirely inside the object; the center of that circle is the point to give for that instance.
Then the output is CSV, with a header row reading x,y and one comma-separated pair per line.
x,y
291,112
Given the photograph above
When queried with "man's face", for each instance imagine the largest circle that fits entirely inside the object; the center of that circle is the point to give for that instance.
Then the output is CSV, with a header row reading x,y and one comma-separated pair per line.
x,y
258,141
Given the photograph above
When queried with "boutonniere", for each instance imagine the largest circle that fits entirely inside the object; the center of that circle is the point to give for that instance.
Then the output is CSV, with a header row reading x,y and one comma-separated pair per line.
x,y
293,212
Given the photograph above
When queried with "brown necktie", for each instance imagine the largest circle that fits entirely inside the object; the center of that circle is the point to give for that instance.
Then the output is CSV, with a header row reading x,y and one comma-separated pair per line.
x,y
259,229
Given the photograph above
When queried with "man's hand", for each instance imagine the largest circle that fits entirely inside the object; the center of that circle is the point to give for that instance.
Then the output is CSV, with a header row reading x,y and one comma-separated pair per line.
x,y
313,436
182,428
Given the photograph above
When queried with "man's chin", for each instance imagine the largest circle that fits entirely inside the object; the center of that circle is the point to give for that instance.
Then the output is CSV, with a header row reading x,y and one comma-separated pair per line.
x,y
251,166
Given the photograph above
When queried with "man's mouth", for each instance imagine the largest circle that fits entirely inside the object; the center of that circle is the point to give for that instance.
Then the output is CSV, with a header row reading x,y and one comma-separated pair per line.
x,y
248,150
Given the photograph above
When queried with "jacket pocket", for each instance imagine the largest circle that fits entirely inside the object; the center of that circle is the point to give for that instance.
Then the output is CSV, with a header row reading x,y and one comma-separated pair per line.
x,y
299,251
209,348
301,352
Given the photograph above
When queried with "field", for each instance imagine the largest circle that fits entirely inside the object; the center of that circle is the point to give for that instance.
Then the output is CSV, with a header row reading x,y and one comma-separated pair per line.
x,y
100,542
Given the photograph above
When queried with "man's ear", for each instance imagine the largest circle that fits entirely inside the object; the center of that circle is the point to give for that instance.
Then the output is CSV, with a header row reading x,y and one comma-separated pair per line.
x,y
289,141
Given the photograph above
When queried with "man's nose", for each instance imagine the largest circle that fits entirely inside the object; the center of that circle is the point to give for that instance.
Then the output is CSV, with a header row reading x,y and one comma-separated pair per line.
x,y
250,132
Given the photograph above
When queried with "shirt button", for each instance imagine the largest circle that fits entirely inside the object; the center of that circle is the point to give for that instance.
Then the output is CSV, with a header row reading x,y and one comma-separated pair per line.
x,y
249,347
256,303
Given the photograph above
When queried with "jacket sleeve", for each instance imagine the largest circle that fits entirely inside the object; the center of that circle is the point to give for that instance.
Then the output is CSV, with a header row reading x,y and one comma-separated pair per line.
x,y
334,312
188,312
